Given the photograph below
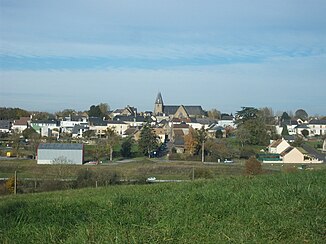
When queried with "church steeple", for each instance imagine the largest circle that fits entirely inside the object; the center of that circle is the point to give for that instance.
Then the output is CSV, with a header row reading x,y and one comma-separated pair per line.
x,y
158,108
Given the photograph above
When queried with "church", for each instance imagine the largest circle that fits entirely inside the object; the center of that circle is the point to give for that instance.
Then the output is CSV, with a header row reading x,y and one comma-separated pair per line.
x,y
176,111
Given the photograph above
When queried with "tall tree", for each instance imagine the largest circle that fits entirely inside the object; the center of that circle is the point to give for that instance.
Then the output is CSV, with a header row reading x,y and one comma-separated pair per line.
x,y
285,116
285,131
95,111
111,139
191,141
126,147
251,127
268,115
247,113
148,140
214,114
104,107
301,114
201,138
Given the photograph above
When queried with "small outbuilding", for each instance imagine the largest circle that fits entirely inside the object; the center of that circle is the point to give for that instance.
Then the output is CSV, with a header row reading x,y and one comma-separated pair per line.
x,y
60,153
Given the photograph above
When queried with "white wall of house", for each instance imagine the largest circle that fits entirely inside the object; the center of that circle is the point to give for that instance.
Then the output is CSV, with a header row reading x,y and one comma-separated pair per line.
x,y
279,148
226,123
294,156
119,128
317,130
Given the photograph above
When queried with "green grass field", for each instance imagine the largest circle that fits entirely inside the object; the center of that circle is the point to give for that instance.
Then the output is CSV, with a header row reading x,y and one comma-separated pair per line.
x,y
279,208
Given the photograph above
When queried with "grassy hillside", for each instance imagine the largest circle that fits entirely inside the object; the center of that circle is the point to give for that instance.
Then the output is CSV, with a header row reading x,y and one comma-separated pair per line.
x,y
282,208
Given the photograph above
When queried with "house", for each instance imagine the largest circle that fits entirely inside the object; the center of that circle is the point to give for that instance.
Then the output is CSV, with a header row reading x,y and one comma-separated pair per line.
x,y
226,121
118,126
292,155
21,124
317,127
278,146
45,127
78,130
176,111
290,124
161,134
5,126
60,153
299,129
137,120
67,124
127,111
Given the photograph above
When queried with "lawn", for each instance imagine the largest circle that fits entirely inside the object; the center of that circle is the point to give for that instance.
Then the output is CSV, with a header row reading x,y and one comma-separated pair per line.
x,y
280,208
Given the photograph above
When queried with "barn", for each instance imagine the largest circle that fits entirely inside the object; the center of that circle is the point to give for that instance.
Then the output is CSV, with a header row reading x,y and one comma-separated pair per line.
x,y
60,153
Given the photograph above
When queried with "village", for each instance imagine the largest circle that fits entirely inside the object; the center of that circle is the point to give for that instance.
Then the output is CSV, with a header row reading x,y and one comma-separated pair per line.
x,y
179,132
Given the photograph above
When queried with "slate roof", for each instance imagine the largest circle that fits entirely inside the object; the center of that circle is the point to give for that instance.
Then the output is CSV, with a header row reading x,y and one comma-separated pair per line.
x,y
5,124
286,151
132,118
302,126
159,99
191,110
61,146
318,122
95,121
76,128
227,117
276,143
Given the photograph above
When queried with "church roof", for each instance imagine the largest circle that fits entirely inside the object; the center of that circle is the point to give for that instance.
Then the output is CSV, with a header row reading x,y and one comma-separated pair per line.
x,y
159,99
191,110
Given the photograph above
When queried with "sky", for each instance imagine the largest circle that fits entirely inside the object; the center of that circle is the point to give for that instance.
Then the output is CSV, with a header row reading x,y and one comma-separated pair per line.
x,y
221,54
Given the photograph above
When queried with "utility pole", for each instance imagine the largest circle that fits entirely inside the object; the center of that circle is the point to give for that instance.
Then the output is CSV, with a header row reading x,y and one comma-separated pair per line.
x,y
15,183
203,151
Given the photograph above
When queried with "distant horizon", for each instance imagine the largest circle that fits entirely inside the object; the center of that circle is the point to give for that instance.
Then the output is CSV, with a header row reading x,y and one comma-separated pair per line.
x,y
214,53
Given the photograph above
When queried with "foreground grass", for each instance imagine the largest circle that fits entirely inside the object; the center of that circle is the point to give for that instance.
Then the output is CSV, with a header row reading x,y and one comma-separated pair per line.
x,y
282,208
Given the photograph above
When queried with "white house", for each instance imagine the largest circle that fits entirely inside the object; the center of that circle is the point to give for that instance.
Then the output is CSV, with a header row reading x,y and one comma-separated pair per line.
x,y
278,146
317,127
118,126
292,155
21,124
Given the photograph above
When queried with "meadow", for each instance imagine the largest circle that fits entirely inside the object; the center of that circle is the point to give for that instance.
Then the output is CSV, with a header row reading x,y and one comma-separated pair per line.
x,y
277,208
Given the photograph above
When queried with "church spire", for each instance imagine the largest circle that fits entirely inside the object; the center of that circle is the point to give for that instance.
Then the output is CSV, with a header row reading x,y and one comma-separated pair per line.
x,y
159,106
159,99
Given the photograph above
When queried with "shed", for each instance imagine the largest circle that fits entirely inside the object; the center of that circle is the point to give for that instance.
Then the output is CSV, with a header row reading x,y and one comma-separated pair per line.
x,y
60,153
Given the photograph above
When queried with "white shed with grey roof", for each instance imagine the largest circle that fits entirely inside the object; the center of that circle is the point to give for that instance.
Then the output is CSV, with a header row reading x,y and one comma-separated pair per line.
x,y
60,153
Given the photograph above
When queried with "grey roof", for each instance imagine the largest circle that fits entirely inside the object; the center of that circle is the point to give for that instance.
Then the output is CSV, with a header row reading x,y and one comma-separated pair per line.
x,y
191,110
96,121
170,110
61,146
50,121
5,124
159,99
318,122
76,128
132,118
302,126
227,117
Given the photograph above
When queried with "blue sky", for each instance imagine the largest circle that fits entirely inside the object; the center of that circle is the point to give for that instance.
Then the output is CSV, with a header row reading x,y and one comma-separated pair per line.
x,y
218,54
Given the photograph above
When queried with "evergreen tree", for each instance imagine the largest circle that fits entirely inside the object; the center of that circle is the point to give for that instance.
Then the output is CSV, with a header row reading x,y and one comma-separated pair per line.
x,y
285,131
148,141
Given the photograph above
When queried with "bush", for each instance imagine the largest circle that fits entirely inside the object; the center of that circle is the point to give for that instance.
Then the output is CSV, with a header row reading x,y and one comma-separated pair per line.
x,y
10,184
253,166
202,173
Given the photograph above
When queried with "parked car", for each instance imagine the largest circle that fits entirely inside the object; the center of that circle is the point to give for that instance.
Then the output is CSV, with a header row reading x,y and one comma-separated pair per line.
x,y
228,161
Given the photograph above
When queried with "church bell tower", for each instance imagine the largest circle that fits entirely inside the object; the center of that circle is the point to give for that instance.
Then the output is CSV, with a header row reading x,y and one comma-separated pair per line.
x,y
158,108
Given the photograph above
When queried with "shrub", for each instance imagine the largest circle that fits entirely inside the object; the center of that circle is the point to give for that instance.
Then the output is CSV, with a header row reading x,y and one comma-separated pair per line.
x,y
253,166
10,184
201,173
